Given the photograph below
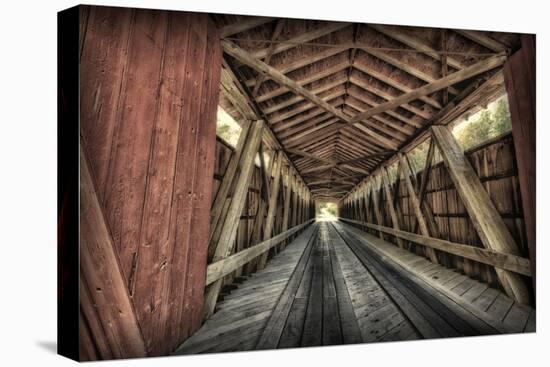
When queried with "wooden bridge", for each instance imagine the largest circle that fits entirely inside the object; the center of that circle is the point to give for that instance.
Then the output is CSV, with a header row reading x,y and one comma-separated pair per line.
x,y
190,244
335,284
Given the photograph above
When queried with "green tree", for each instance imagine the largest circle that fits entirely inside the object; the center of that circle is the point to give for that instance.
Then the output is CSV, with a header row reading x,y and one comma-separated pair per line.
x,y
502,120
476,131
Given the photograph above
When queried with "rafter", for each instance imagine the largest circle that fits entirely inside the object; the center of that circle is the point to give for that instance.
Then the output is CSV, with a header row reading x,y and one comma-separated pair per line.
x,y
282,79
302,38
299,98
243,25
395,84
409,69
482,39
451,79
271,49
416,44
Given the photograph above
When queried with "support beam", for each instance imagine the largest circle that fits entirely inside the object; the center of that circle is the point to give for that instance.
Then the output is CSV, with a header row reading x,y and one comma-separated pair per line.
x,y
243,25
228,178
482,39
389,199
219,269
277,76
376,205
272,206
406,170
283,80
487,221
286,205
224,246
102,281
270,50
517,264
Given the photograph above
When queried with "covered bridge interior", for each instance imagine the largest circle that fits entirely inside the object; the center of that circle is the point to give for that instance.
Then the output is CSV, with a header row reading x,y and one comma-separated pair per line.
x,y
217,247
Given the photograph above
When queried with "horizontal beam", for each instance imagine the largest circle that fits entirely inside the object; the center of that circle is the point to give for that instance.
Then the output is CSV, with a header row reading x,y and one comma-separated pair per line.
x,y
497,259
243,25
219,269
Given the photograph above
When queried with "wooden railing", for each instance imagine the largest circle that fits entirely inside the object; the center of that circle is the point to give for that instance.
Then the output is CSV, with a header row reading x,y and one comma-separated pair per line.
x,y
497,259
221,268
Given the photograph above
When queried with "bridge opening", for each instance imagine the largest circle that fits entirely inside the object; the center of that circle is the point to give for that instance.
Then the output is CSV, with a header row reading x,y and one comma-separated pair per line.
x,y
326,210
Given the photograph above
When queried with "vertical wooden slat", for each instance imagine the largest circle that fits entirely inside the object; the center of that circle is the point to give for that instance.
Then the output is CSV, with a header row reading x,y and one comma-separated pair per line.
x,y
406,170
150,85
101,271
389,199
272,206
520,81
286,205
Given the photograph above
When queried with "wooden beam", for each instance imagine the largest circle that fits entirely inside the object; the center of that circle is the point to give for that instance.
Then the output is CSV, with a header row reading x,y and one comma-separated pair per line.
x,y
487,221
272,207
224,245
286,206
501,260
228,177
221,268
376,206
395,84
270,50
243,25
398,63
389,199
309,155
406,170
415,43
282,79
520,81
293,100
327,28
482,39
427,89
277,76
103,279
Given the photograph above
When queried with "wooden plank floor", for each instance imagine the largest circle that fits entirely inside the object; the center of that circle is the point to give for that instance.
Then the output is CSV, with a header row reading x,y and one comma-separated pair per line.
x,y
335,284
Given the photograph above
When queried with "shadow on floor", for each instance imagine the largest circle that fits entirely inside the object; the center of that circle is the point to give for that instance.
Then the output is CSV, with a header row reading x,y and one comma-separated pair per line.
x,y
48,345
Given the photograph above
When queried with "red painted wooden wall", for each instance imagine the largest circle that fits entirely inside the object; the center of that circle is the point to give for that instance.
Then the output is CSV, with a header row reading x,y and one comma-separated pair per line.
x,y
149,95
520,80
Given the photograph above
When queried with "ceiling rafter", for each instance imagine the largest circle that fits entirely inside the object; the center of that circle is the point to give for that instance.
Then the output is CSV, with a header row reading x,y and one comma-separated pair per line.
x,y
471,71
416,44
243,25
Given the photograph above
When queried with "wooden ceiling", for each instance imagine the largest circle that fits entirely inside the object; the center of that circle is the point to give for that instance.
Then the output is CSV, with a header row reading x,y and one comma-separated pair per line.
x,y
341,98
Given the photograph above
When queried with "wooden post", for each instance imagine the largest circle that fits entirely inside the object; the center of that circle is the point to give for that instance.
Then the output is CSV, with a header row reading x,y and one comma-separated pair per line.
x,y
520,81
294,201
227,237
286,205
272,206
377,212
486,219
406,170
389,197
228,177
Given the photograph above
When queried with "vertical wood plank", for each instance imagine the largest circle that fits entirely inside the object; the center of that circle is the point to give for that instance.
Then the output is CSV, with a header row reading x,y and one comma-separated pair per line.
x,y
520,81
101,271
